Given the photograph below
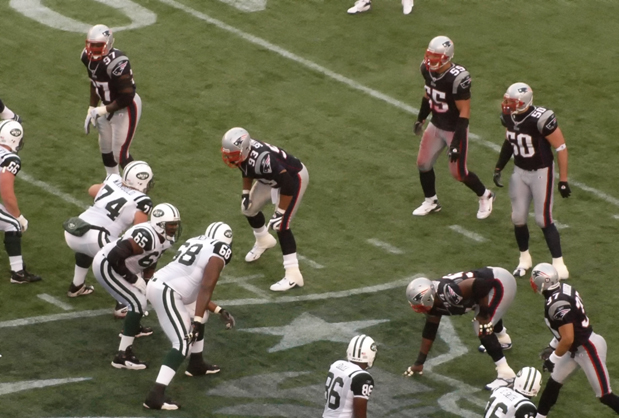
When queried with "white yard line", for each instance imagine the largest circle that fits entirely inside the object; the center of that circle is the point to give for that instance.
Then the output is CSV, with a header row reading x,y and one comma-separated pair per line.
x,y
52,190
54,301
384,246
467,233
309,262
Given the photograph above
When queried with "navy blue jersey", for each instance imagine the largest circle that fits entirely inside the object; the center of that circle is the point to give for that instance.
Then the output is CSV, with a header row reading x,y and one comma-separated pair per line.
x,y
564,306
443,91
266,162
105,74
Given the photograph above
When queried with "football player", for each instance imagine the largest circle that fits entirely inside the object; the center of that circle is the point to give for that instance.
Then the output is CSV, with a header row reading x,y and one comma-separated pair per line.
x,y
488,292
448,97
180,291
111,83
531,134
281,178
12,221
118,203
8,114
349,385
574,344
361,6
122,266
516,403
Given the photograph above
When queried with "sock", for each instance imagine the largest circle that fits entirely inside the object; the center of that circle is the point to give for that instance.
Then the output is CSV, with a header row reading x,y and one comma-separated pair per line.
x,y
173,359
503,369
261,232
291,261
112,170
474,183
428,183
17,263
197,347
125,341
522,237
553,240
79,276
165,376
431,199
558,260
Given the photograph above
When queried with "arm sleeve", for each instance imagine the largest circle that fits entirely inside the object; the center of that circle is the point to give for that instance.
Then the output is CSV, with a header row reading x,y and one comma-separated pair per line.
x,y
506,153
362,385
461,127
223,251
430,329
118,255
424,111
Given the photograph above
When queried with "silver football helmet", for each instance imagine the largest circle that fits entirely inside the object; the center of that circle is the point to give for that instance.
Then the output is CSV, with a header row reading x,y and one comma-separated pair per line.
x,y
99,42
12,135
166,220
235,146
517,99
420,294
440,52
544,277
528,382
361,349
219,231
139,176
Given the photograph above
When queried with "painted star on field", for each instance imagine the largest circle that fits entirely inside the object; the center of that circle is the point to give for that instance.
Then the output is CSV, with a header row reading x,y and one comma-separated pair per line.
x,y
308,328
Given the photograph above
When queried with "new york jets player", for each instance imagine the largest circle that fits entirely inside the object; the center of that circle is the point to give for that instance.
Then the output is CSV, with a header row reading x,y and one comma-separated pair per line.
x,y
182,290
118,203
516,403
8,114
349,385
121,267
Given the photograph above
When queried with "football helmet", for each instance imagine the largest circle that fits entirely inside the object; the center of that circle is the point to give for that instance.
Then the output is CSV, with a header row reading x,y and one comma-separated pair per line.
x,y
528,382
139,176
219,231
517,99
361,349
440,52
420,294
12,135
167,221
544,277
99,42
235,146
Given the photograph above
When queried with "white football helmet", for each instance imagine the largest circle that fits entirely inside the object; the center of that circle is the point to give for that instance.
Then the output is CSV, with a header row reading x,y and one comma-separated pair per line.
x,y
167,221
544,277
12,135
219,231
528,382
99,42
361,349
420,294
440,52
235,146
139,176
517,99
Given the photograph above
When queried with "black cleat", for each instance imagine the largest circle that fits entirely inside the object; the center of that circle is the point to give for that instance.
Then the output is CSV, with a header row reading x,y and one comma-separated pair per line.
x,y
23,276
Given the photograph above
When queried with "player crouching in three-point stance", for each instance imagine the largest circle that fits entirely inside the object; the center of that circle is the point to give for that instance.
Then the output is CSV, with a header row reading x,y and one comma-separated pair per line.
x,y
516,403
349,385
122,267
12,221
488,291
281,178
531,133
574,343
180,291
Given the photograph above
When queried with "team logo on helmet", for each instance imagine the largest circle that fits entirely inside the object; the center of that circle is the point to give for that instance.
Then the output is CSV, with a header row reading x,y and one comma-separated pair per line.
x,y
523,90
157,213
447,44
143,175
106,33
237,142
373,347
15,132
419,296
228,233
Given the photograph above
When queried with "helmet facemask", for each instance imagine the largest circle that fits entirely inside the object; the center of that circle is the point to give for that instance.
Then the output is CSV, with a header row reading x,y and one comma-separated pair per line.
x,y
420,295
517,99
439,53
12,135
235,146
99,42
166,220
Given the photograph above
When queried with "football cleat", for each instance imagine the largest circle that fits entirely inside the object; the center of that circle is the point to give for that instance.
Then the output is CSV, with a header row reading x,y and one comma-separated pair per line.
x,y
407,6
524,263
158,402
262,244
201,369
143,332
499,382
23,276
293,278
120,310
485,205
360,7
561,269
83,290
127,360
427,206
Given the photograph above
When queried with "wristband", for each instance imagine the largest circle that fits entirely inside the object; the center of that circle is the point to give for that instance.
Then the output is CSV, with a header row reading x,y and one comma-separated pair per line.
x,y
421,358
217,310
245,191
197,319
561,147
554,358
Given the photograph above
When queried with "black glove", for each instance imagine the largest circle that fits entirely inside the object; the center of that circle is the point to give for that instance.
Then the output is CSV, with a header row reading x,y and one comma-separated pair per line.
x,y
227,318
496,177
548,365
454,151
245,202
194,332
17,118
564,189
546,352
418,128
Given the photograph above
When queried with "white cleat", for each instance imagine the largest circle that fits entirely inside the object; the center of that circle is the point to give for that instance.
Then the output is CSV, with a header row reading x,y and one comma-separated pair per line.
x,y
360,7
499,382
485,205
407,6
562,270
427,206
524,263
260,247
293,279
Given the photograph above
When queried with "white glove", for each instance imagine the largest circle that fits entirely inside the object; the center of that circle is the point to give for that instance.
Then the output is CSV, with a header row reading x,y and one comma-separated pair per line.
x,y
88,120
276,220
94,113
140,283
23,222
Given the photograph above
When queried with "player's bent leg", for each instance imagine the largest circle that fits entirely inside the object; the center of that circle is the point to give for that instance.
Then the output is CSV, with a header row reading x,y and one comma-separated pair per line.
x,y
293,276
549,396
611,400
78,286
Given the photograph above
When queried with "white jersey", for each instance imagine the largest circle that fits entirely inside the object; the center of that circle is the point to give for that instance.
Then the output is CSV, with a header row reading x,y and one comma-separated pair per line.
x,y
507,403
345,382
146,237
115,206
184,273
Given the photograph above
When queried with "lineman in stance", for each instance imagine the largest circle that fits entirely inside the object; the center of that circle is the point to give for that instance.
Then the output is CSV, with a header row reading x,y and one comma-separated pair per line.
x,y
574,344
122,266
488,291
188,280
516,403
349,385
531,134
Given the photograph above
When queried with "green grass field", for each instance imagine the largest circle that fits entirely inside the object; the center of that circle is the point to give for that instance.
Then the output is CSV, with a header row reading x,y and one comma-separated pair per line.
x,y
340,93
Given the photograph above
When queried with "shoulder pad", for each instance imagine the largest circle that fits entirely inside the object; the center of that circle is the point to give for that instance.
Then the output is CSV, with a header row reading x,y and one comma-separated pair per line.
x,y
547,121
117,66
144,237
462,81
558,309
263,163
11,163
223,250
144,203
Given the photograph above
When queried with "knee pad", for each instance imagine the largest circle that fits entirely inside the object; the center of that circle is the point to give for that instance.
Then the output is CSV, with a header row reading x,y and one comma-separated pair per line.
x,y
256,221
83,260
108,159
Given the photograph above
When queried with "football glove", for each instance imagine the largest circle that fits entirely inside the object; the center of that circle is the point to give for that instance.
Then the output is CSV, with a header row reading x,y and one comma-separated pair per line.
x,y
140,283
546,352
486,329
276,220
496,177
418,128
454,152
564,189
194,332
227,318
23,222
548,365
245,202
413,369
89,120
